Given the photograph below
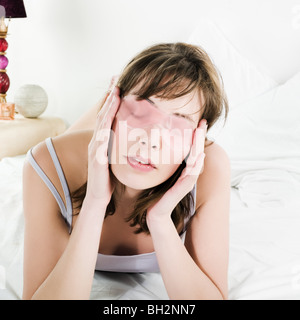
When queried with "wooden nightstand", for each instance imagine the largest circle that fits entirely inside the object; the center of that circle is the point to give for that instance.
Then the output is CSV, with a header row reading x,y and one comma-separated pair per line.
x,y
19,135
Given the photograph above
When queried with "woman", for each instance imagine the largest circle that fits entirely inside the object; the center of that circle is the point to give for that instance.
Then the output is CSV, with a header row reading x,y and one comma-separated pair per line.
x,y
96,198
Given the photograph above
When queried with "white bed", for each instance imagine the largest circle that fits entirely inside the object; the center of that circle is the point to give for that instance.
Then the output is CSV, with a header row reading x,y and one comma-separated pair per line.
x,y
264,248
262,138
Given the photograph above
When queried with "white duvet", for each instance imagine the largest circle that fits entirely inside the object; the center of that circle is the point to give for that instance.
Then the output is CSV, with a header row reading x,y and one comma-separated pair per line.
x,y
264,242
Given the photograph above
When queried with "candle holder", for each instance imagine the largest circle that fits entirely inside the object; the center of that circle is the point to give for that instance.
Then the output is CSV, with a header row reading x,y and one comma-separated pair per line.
x,y
9,9
6,110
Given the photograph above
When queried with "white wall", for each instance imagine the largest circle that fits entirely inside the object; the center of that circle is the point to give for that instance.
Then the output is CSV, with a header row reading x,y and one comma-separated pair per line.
x,y
73,47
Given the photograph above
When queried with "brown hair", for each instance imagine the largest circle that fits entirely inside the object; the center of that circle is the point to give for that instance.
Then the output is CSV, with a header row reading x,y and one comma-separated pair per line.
x,y
168,71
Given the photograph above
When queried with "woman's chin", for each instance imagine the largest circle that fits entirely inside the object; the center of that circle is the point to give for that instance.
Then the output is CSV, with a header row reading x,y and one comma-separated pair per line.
x,y
136,181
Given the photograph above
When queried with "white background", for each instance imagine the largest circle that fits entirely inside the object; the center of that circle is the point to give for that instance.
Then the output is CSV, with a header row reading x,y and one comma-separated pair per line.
x,y
72,47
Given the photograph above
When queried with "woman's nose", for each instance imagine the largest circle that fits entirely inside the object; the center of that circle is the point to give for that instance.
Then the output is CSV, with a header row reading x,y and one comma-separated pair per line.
x,y
151,139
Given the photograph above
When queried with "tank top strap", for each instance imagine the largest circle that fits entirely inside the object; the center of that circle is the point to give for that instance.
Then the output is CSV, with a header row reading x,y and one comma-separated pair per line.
x,y
63,181
67,210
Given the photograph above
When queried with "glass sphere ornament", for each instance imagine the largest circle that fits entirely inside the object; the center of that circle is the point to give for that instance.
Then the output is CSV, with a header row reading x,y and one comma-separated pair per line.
x,y
31,100
4,82
3,62
3,45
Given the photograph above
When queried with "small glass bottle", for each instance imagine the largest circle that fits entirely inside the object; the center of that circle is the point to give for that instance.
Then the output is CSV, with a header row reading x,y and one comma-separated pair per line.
x,y
7,111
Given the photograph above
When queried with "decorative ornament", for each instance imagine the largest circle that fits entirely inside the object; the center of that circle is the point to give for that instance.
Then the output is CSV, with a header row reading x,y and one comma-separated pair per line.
x,y
31,100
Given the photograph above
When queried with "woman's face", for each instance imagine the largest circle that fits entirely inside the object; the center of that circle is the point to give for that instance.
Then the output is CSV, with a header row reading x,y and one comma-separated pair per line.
x,y
151,138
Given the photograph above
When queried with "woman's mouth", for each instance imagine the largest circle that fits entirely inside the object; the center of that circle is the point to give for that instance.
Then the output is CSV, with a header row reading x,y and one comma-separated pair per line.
x,y
140,163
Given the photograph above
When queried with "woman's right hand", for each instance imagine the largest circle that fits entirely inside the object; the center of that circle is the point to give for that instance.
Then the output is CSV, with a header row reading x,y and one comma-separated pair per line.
x,y
99,184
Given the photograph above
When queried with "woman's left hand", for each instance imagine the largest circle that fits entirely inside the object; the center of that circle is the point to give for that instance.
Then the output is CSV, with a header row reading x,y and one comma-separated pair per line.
x,y
188,178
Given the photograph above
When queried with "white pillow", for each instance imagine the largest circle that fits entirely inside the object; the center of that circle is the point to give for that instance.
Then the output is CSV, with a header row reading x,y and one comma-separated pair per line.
x,y
242,79
264,133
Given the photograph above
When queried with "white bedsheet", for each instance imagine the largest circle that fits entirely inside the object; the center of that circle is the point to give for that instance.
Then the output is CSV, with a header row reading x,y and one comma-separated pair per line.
x,y
264,241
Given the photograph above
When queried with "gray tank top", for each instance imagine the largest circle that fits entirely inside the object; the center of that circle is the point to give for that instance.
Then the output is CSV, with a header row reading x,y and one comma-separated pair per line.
x,y
146,262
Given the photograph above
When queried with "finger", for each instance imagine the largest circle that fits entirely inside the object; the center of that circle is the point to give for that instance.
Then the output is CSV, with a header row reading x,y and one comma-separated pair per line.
x,y
112,109
101,153
114,81
201,126
107,101
112,85
197,146
109,109
106,125
111,105
188,178
196,169
113,94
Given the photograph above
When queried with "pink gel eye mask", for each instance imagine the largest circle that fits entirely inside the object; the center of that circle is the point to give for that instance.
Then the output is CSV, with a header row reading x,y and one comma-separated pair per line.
x,y
143,114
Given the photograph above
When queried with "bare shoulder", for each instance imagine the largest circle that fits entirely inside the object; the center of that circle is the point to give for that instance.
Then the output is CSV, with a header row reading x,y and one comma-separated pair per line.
x,y
215,154
215,175
71,150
